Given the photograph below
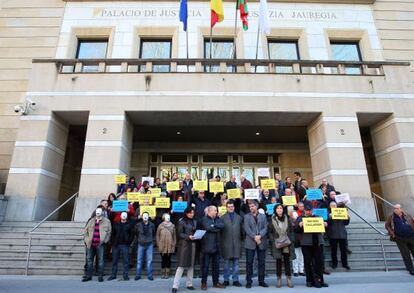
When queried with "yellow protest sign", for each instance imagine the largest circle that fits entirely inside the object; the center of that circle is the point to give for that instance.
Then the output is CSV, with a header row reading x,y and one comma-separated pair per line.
x,y
339,213
120,179
162,203
200,185
313,225
148,209
133,196
173,186
155,192
268,184
233,193
142,198
216,186
289,200
222,210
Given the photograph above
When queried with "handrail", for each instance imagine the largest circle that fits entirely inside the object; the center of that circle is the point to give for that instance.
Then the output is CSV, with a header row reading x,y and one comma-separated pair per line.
x,y
369,224
31,232
383,199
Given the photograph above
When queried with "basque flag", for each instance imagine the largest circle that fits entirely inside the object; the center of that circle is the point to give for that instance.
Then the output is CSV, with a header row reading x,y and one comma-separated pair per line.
x,y
184,13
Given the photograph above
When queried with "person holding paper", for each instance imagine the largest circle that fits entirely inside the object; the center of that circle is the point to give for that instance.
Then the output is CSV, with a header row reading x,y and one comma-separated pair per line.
x,y
245,184
188,187
255,228
232,184
130,210
144,187
281,238
337,235
311,244
231,241
210,247
186,249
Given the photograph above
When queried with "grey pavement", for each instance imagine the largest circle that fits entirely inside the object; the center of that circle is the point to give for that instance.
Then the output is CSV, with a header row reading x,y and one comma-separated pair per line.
x,y
341,282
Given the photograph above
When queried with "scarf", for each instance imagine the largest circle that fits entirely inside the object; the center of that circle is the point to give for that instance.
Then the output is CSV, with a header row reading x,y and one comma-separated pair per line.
x,y
281,228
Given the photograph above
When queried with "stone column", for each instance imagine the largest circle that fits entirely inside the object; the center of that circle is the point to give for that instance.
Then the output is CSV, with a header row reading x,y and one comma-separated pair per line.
x,y
107,153
337,155
36,168
393,141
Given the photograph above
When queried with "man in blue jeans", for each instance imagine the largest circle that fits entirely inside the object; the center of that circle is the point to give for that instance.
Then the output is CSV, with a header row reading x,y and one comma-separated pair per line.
x,y
97,233
121,240
145,231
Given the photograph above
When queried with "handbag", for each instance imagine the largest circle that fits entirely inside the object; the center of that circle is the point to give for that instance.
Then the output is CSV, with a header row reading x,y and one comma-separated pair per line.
x,y
282,242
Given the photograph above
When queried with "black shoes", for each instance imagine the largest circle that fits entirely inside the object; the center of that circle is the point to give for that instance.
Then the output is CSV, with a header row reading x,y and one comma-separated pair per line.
x,y
111,278
264,285
347,267
173,290
190,288
248,285
226,283
309,284
412,272
86,279
100,279
334,266
295,274
237,284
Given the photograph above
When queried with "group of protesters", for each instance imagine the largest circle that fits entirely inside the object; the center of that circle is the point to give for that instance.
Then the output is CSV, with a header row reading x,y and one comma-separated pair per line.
x,y
214,229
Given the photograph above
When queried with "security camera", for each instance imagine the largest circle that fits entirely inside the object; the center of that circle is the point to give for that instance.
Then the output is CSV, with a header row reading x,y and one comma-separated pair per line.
x,y
17,109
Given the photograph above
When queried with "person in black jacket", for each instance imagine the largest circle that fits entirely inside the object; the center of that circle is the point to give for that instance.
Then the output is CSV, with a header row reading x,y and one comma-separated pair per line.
x,y
145,232
337,235
121,240
311,244
210,247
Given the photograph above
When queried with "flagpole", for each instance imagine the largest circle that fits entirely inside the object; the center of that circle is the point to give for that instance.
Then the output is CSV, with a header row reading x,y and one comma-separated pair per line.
x,y
235,34
186,42
211,42
257,45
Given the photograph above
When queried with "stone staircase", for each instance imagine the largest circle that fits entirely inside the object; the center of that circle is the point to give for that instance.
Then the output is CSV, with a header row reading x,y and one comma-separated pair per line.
x,y
65,255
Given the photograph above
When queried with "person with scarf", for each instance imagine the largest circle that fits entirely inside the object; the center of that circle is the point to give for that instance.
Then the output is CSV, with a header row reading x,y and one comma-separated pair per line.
x,y
281,239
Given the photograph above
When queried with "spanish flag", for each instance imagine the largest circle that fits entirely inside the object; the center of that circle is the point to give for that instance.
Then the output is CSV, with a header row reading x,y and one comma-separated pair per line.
x,y
217,13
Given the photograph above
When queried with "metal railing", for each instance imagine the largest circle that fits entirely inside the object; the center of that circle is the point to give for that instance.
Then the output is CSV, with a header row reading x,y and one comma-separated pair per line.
x,y
199,65
32,231
384,256
374,196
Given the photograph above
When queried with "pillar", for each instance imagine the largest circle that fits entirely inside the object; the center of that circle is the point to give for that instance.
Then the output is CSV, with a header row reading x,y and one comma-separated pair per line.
x,y
36,168
107,153
337,155
393,141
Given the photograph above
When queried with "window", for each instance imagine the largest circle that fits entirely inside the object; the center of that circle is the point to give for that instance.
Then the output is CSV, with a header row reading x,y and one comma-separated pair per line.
x,y
91,49
343,51
222,49
174,158
155,49
283,50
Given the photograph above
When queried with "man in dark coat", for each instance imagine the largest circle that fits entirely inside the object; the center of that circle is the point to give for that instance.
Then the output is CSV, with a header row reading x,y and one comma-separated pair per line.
x,y
400,226
255,228
231,240
232,184
122,235
328,186
201,203
210,247
311,244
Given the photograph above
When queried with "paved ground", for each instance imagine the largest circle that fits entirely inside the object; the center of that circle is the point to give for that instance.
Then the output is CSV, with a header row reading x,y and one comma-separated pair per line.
x,y
364,282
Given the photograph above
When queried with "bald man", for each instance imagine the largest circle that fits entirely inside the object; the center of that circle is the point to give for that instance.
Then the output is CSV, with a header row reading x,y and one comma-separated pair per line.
x,y
400,227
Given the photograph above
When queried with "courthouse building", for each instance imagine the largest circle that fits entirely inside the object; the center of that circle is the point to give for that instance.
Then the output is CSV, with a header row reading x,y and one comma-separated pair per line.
x,y
91,89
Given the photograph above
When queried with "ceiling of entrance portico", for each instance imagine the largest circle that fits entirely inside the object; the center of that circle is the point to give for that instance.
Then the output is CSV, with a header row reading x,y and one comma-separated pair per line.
x,y
221,127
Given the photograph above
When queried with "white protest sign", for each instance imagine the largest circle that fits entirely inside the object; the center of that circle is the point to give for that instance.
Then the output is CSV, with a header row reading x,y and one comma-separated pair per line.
x,y
149,179
252,193
263,172
343,197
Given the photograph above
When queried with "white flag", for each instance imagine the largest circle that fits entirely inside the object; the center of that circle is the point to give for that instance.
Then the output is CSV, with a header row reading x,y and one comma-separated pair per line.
x,y
264,17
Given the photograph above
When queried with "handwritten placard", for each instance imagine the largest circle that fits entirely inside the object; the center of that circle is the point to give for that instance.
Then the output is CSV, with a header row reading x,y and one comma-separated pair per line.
x,y
313,225
251,193
142,198
149,179
133,196
162,203
323,213
216,186
155,192
179,206
343,197
233,193
119,205
173,186
120,179
289,200
313,194
270,208
200,185
339,213
268,184
148,209
222,211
